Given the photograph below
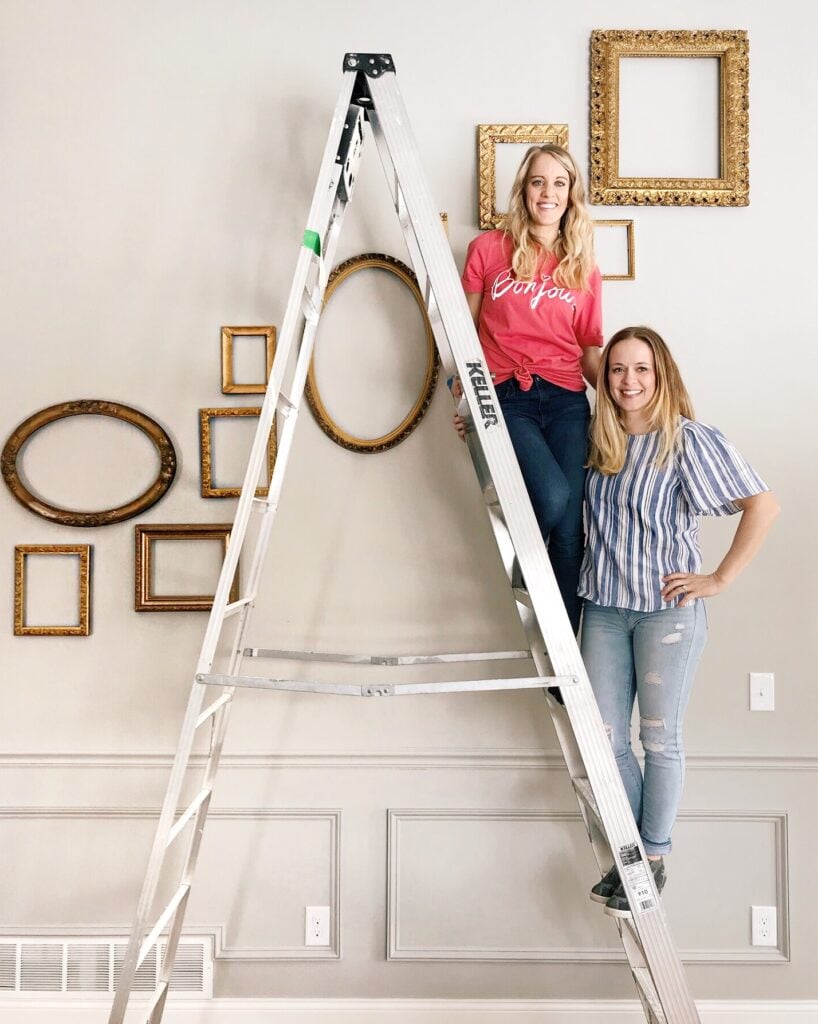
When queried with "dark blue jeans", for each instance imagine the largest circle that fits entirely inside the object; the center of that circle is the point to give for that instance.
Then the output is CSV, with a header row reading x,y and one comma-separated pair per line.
x,y
549,431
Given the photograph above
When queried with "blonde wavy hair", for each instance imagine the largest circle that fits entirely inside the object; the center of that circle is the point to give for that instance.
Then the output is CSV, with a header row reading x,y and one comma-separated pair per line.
x,y
574,247
670,401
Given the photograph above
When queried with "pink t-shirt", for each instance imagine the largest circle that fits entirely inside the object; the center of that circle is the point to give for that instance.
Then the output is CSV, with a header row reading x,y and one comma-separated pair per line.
x,y
531,327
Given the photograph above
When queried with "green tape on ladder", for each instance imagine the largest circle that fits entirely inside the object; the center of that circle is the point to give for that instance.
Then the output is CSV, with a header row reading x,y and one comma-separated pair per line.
x,y
312,241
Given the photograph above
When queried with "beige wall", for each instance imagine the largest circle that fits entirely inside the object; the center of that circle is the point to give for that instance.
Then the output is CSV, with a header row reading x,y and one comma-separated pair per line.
x,y
157,164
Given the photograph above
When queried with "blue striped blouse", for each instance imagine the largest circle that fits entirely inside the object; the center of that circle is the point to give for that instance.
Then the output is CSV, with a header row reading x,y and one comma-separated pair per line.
x,y
643,522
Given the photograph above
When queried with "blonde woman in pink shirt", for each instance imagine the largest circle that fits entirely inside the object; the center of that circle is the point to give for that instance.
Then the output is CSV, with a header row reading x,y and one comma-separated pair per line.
x,y
534,291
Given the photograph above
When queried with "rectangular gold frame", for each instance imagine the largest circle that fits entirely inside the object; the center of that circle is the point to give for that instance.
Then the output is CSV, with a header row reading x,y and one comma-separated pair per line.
x,y
628,225
229,386
205,416
144,538
488,135
731,48
84,599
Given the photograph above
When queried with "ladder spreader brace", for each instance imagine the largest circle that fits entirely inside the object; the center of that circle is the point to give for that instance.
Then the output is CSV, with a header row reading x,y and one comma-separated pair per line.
x,y
370,103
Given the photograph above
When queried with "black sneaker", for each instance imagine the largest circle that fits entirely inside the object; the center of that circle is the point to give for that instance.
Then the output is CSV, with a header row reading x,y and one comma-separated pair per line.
x,y
604,889
617,905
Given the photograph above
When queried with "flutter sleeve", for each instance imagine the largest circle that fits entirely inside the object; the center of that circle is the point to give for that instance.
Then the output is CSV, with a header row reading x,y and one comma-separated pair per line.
x,y
588,319
713,473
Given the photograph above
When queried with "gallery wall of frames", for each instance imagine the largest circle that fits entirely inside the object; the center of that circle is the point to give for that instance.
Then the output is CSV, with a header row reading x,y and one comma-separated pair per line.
x,y
159,169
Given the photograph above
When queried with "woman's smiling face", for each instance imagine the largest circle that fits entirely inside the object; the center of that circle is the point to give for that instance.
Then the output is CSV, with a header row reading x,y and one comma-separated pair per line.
x,y
632,378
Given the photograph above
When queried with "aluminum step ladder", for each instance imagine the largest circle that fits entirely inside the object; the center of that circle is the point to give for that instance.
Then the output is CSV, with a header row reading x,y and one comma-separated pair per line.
x,y
370,102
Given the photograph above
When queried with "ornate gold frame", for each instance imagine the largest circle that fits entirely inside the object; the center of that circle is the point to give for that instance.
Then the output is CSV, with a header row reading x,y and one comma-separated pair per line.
x,y
628,225
394,437
144,539
731,48
206,451
488,135
88,407
21,551
229,386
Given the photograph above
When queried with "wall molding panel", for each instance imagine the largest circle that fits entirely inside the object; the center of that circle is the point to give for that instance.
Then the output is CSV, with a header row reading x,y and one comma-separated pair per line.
x,y
225,944
418,901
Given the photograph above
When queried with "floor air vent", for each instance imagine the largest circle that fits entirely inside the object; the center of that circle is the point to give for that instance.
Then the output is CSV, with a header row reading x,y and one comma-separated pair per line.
x,y
93,965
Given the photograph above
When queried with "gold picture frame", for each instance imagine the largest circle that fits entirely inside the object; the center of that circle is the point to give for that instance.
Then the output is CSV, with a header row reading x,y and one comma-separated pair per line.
x,y
88,407
21,553
333,430
206,450
145,537
628,225
229,385
488,137
731,49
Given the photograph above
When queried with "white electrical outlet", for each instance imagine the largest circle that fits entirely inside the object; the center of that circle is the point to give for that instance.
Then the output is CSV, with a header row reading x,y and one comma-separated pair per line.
x,y
316,926
762,691
765,930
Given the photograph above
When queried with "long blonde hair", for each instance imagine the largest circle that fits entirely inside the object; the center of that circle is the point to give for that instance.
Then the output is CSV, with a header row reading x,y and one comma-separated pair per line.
x,y
670,401
574,247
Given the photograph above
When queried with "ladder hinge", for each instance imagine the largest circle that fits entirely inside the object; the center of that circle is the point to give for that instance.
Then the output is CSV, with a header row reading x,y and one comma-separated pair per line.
x,y
372,64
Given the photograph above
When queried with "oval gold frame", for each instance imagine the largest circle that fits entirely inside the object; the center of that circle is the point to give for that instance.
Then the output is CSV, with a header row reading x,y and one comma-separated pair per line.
x,y
88,407
378,261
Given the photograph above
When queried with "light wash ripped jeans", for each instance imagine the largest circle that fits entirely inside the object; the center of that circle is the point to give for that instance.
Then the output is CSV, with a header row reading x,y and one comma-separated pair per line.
x,y
650,657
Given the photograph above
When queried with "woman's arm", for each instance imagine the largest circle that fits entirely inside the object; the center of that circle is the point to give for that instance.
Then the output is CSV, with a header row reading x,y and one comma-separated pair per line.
x,y
590,364
475,301
757,515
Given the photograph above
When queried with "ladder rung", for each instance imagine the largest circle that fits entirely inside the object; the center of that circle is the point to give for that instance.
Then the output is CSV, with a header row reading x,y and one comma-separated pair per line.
x,y
285,405
159,995
645,982
583,790
213,708
522,597
159,927
236,606
385,689
384,659
188,814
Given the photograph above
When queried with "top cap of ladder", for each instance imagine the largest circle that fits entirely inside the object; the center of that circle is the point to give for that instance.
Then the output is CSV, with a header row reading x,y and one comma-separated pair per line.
x,y
372,64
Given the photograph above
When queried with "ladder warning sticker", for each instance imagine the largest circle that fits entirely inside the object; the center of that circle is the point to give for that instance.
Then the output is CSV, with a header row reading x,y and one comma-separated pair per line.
x,y
636,872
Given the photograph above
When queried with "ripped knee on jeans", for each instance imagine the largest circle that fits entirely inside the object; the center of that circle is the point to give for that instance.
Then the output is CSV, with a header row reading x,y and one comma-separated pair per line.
x,y
654,746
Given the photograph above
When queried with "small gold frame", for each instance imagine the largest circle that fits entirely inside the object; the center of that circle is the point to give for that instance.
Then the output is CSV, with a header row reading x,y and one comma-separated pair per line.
x,y
488,136
731,48
21,552
229,386
394,437
205,416
628,225
144,539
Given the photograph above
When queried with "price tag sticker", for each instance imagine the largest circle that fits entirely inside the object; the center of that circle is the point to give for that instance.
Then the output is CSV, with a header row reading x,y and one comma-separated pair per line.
x,y
637,874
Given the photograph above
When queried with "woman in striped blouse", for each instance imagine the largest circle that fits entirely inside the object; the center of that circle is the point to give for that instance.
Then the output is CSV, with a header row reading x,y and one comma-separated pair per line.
x,y
653,470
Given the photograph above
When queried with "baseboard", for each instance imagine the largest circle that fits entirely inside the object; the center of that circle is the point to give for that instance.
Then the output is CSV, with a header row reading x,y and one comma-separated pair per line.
x,y
403,1011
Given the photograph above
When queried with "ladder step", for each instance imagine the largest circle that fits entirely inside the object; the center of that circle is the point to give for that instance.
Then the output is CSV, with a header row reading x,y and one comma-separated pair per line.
x,y
582,788
213,708
384,659
159,997
645,982
385,689
236,606
180,894
188,814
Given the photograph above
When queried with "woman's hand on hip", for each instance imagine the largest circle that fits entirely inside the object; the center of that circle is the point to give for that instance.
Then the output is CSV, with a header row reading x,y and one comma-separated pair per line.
x,y
690,585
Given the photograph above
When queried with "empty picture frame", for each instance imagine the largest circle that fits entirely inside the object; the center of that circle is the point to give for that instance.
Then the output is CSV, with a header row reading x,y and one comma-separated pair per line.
x,y
146,539
726,132
207,452
500,150
22,553
615,254
259,335
378,304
